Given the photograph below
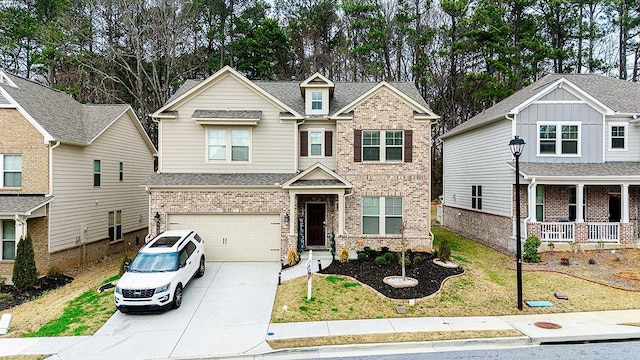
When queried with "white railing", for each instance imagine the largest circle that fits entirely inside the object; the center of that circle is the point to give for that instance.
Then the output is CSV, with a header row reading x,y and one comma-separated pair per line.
x,y
605,232
557,231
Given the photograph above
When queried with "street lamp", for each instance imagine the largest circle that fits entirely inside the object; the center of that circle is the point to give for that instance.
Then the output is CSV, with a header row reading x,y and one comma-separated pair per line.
x,y
517,145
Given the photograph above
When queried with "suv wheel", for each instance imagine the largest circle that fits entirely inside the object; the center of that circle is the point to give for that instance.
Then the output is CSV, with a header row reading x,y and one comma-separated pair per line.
x,y
200,272
177,297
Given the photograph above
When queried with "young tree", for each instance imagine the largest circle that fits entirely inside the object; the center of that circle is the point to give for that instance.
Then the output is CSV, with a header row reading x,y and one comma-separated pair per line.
x,y
25,274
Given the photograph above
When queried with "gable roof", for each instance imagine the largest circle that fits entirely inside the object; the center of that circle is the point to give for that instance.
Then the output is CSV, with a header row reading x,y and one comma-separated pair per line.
x,y
61,118
617,96
22,204
288,92
318,175
572,171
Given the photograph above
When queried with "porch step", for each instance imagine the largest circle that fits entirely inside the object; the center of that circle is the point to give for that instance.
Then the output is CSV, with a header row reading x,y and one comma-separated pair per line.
x,y
317,254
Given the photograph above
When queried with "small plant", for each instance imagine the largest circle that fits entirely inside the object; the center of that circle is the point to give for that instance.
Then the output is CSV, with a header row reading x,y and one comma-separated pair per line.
x,y
531,245
292,257
54,272
362,257
574,246
600,245
371,254
564,261
551,245
417,259
384,249
444,250
592,261
344,254
407,261
123,264
380,260
25,274
388,257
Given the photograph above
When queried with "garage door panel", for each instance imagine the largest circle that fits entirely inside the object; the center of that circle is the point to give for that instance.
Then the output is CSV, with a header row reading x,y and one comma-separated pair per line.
x,y
234,237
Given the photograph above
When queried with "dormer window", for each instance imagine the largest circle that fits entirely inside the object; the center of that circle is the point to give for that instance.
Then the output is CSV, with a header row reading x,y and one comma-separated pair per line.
x,y
316,100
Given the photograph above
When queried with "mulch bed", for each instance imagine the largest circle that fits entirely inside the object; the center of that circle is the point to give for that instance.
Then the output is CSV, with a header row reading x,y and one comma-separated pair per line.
x,y
612,268
429,275
10,296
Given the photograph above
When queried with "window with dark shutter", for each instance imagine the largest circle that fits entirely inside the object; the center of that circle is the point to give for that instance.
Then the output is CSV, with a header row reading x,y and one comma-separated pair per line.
x,y
304,143
357,145
408,145
328,143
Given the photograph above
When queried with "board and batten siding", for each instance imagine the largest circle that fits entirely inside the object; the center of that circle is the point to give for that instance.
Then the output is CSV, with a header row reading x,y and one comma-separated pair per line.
x,y
591,136
329,161
479,157
77,203
183,142
632,140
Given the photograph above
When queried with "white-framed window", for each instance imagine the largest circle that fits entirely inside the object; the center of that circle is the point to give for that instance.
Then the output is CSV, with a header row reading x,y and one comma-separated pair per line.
x,y
316,142
229,145
8,233
476,197
540,203
97,173
381,215
618,135
559,138
573,200
316,100
389,150
115,225
11,170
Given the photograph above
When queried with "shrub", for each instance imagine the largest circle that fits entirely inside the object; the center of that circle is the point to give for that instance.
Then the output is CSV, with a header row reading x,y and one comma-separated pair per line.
x,y
362,257
25,274
551,245
417,259
344,254
292,257
564,261
380,260
332,245
592,261
388,257
407,261
531,245
384,249
371,253
444,251
125,261
54,272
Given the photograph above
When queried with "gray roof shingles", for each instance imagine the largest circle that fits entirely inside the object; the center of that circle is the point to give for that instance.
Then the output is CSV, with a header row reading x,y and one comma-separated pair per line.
x,y
619,95
59,114
199,179
11,204
581,170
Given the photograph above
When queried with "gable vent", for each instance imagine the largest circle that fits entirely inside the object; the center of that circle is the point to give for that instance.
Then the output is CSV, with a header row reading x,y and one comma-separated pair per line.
x,y
4,80
3,100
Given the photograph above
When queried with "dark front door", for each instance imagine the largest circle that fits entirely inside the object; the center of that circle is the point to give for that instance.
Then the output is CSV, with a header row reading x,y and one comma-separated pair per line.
x,y
614,208
315,224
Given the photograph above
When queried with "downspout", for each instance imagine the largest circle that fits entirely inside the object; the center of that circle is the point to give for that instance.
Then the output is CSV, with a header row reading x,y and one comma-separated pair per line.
x,y
19,219
296,137
346,234
148,237
526,220
51,168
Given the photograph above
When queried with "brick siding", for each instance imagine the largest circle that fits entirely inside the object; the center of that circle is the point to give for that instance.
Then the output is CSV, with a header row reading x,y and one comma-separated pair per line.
x,y
488,229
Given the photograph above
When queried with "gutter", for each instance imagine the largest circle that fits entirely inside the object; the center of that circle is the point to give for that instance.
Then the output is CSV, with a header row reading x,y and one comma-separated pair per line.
x,y
296,136
50,193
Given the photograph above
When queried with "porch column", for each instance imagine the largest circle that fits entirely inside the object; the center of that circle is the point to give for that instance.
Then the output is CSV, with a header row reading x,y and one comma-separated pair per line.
x,y
624,203
341,213
579,203
532,203
293,215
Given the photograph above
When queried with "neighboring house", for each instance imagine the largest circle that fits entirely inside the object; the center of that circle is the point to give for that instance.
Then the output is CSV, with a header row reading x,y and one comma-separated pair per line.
x,y
579,172
70,176
256,166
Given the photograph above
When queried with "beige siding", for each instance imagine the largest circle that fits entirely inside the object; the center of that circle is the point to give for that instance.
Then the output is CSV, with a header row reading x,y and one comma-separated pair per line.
x,y
306,161
78,203
183,144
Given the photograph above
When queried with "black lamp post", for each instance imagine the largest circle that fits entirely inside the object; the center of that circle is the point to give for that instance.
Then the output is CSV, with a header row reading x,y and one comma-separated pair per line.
x,y
517,145
156,218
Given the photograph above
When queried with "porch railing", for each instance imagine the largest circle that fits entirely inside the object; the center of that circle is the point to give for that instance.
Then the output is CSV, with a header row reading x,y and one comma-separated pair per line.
x,y
605,232
557,231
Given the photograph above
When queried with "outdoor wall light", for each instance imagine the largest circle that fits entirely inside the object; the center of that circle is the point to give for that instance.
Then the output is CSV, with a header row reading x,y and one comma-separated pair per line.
x,y
157,218
286,217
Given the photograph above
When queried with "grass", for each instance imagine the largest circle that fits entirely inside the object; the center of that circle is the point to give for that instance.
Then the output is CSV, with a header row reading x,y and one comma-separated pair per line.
x,y
396,337
488,288
83,316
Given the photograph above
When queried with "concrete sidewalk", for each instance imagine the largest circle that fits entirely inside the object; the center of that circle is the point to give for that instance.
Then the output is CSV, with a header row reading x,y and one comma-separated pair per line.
x,y
570,327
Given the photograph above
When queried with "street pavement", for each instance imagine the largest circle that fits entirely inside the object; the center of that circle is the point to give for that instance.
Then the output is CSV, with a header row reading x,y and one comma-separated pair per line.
x,y
226,314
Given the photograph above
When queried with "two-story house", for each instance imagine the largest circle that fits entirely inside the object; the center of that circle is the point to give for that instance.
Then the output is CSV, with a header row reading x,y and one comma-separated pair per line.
x,y
579,171
256,166
69,176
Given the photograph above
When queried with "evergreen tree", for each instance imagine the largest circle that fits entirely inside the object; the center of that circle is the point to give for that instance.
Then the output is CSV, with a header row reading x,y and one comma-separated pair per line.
x,y
25,274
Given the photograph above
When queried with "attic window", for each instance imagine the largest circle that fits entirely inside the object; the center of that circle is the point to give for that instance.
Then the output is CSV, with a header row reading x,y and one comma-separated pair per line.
x,y
316,100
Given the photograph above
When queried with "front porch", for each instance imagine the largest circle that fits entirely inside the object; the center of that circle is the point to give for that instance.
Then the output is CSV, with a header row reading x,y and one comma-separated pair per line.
x,y
585,214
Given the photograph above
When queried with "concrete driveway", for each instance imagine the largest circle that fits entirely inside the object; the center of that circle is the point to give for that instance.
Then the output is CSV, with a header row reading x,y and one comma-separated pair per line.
x,y
225,312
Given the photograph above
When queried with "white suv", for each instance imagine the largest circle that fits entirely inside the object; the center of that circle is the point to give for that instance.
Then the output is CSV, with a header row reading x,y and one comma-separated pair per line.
x,y
158,274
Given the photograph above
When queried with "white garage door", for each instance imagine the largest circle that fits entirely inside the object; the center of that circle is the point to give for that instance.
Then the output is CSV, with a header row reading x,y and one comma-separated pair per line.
x,y
234,237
